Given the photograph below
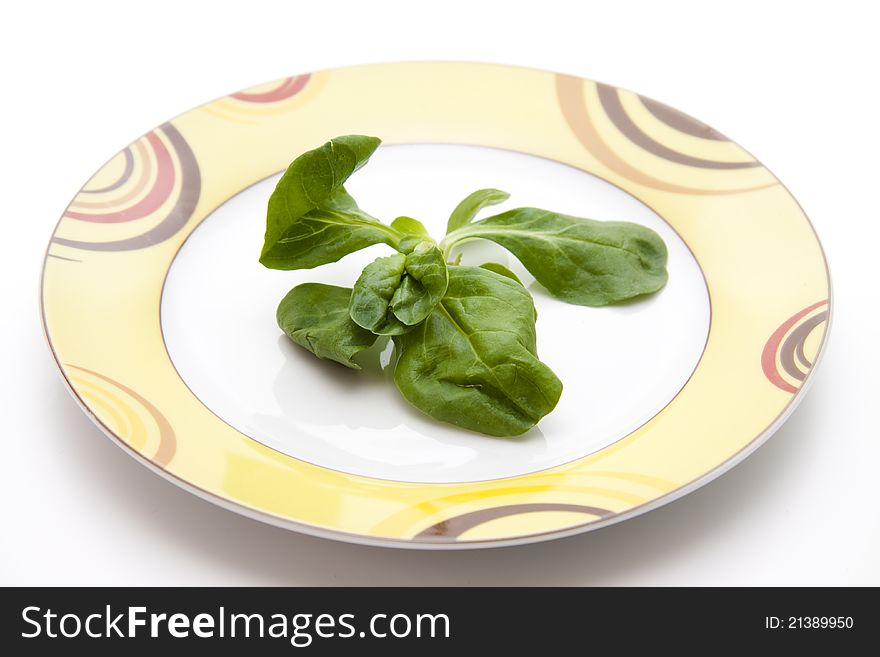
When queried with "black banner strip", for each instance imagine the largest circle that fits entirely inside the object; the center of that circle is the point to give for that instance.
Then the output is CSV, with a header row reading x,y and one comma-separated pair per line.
x,y
432,621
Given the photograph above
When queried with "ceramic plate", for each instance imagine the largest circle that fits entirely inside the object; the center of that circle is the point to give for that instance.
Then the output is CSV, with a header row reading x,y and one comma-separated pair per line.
x,y
162,320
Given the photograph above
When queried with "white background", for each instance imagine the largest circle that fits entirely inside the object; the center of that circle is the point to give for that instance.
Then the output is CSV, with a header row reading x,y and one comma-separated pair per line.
x,y
792,82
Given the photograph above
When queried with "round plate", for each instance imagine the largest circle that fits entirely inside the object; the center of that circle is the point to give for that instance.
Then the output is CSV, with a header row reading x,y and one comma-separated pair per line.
x,y
166,335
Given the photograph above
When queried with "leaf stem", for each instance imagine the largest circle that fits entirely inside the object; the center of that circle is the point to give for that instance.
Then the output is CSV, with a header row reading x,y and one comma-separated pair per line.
x,y
451,239
394,236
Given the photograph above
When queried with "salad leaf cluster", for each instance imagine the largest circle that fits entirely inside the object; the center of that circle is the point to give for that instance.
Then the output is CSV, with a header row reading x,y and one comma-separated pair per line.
x,y
465,335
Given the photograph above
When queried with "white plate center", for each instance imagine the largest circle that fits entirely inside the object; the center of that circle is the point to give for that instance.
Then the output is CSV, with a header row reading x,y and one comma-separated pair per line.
x,y
619,365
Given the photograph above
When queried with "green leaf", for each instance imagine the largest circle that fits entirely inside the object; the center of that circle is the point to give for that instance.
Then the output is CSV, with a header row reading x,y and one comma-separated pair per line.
x,y
465,211
411,227
311,220
396,292
370,305
315,316
501,269
413,233
473,362
587,262
423,286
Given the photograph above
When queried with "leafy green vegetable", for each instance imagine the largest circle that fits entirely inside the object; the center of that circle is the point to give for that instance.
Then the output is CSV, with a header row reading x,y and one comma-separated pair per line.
x,y
587,262
465,211
501,269
371,296
412,233
396,292
411,228
423,286
474,361
311,220
315,316
465,336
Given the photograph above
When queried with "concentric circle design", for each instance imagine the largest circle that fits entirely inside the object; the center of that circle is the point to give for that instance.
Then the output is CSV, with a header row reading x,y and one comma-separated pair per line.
x,y
678,121
663,144
764,269
154,196
128,415
787,358
287,88
454,528
612,103
449,518
251,106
